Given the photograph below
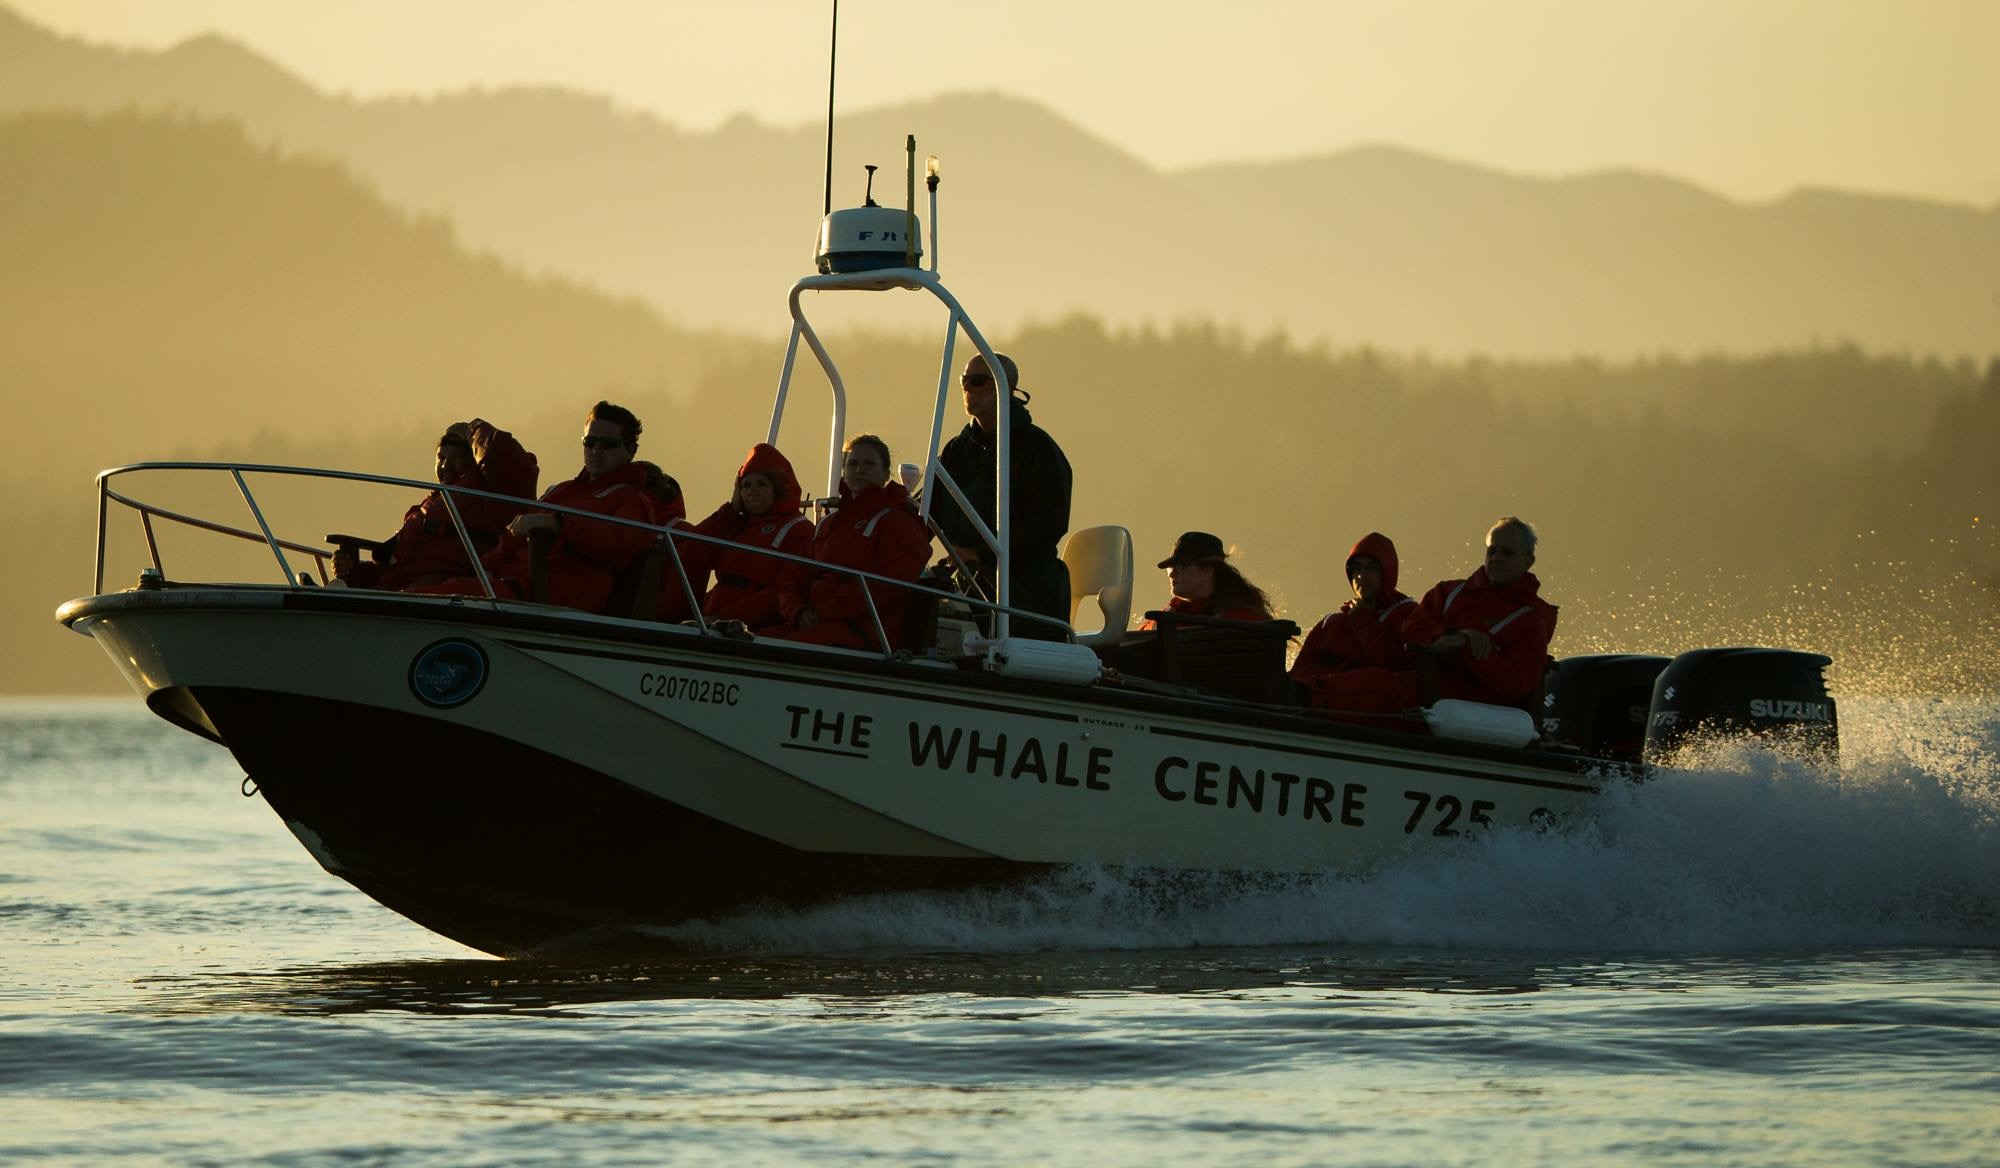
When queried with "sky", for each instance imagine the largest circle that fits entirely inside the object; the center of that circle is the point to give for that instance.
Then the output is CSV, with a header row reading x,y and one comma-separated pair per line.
x,y
1750,98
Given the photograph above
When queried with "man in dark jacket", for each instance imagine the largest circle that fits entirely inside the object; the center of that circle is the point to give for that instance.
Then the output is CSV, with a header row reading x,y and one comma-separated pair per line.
x,y
1039,502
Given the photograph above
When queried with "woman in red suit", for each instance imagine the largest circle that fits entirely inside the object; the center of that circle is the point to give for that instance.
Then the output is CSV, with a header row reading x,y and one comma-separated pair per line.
x,y
763,512
875,529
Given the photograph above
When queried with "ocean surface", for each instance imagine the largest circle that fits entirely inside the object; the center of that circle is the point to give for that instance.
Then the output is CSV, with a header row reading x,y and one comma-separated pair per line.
x,y
1748,961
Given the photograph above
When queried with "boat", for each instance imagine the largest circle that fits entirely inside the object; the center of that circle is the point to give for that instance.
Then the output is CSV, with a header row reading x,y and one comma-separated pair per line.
x,y
519,776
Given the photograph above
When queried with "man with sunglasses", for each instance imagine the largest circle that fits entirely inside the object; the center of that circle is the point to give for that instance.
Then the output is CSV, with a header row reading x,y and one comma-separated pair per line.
x,y
585,556
1038,503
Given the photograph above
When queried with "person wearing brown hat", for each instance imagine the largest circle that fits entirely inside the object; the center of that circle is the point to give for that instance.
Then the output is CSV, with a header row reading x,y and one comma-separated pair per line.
x,y
1038,504
1204,583
427,548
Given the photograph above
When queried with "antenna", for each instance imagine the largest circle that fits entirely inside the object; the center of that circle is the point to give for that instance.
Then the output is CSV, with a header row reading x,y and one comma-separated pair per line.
x,y
832,57
910,208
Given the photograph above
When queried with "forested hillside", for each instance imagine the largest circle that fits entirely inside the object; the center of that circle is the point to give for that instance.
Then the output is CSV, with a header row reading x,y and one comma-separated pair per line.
x,y
181,291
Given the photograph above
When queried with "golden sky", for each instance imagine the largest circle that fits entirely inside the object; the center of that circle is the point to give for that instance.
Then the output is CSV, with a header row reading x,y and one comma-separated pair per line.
x,y
1747,97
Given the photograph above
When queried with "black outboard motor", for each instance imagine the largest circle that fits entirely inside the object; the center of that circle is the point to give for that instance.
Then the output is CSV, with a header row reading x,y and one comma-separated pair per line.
x,y
1777,694
1598,704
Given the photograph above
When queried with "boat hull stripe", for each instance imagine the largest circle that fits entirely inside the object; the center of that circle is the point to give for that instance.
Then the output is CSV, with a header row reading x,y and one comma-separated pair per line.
x,y
1400,764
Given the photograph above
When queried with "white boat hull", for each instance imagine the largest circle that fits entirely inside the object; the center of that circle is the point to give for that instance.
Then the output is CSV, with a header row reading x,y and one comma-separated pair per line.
x,y
601,776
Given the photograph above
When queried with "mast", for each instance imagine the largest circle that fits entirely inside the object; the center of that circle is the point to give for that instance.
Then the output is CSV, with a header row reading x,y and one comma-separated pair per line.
x,y
832,59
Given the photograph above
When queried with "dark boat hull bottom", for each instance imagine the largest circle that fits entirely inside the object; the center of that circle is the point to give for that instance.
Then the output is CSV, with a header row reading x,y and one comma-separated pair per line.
x,y
511,850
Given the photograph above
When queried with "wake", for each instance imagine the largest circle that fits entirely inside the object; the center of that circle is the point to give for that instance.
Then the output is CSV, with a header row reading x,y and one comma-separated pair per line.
x,y
1730,849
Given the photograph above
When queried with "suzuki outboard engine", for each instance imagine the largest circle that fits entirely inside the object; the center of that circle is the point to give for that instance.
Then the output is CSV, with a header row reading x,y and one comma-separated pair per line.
x,y
1598,704
1774,694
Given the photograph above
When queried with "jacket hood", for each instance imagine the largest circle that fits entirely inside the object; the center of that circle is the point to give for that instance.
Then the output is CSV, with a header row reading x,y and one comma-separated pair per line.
x,y
764,459
1378,545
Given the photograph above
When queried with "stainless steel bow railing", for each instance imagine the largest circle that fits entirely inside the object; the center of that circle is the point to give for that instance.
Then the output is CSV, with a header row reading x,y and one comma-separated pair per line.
x,y
672,535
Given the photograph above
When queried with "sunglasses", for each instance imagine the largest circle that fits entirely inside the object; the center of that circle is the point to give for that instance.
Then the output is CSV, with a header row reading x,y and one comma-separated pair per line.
x,y
975,380
594,442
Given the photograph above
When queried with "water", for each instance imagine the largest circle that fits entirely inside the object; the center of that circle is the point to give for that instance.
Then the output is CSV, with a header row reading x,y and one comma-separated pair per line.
x,y
1751,962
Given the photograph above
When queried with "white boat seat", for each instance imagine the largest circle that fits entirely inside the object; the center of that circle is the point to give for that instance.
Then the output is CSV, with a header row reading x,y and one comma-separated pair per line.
x,y
1100,565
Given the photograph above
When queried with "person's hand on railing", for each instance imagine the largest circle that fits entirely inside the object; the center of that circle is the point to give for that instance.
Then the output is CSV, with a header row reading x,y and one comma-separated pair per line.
x,y
346,558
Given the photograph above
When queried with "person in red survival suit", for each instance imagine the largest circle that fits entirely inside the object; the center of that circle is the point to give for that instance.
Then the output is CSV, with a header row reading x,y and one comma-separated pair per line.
x,y
587,556
427,548
1490,632
1204,583
1367,632
670,511
874,529
762,512
669,504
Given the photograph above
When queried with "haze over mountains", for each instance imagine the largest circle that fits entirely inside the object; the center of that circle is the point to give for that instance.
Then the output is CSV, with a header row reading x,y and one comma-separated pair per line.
x,y
1376,245
174,288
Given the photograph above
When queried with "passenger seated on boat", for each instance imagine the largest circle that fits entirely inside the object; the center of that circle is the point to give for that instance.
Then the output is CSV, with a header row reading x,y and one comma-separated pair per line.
x,y
1367,631
669,503
427,548
762,512
873,528
1204,583
1488,635
669,510
1037,505
585,556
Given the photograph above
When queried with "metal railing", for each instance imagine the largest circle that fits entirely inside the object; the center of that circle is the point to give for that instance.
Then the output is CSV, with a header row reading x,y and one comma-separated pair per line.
x,y
918,280
671,536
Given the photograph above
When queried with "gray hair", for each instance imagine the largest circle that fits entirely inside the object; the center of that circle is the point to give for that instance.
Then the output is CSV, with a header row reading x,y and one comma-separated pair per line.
x,y
1527,530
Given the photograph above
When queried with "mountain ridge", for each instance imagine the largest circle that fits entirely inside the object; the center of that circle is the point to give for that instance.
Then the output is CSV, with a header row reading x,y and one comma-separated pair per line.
x,y
1376,243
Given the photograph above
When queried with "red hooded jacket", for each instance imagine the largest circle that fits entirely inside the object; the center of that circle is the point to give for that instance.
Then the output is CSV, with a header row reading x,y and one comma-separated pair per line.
x,y
1357,637
746,583
428,548
875,531
586,557
1520,622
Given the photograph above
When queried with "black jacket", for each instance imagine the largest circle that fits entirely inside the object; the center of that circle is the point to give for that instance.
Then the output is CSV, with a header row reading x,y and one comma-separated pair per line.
x,y
1040,506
